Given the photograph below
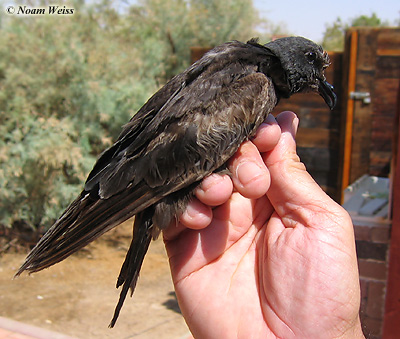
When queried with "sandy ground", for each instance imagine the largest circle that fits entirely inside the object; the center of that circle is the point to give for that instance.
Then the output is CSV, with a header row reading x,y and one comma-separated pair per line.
x,y
77,297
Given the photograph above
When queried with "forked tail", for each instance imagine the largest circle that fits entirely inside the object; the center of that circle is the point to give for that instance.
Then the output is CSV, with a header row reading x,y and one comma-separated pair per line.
x,y
142,234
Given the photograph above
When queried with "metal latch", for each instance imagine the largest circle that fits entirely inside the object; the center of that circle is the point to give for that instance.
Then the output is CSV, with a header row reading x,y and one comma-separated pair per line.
x,y
364,96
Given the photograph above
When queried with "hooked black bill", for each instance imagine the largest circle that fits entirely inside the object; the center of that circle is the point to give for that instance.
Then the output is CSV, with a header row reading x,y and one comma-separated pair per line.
x,y
325,89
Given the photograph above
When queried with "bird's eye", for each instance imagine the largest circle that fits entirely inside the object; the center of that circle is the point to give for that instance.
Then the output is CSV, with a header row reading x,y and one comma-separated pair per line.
x,y
311,57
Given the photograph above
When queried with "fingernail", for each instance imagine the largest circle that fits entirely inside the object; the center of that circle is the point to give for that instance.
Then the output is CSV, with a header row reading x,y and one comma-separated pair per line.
x,y
191,211
295,126
211,181
247,171
270,120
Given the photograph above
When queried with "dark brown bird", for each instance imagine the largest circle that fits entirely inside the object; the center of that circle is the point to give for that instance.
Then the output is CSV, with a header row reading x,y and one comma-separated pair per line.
x,y
184,132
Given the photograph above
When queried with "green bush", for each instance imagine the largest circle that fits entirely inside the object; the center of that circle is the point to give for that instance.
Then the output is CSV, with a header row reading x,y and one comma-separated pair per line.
x,y
43,168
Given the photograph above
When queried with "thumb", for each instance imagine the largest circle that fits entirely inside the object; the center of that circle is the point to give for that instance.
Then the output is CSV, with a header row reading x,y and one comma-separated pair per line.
x,y
294,194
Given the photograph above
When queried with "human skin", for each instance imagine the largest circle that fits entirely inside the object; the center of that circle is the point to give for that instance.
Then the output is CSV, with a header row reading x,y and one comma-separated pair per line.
x,y
266,253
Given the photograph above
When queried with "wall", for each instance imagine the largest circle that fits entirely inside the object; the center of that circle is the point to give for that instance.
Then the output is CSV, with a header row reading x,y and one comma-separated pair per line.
x,y
372,243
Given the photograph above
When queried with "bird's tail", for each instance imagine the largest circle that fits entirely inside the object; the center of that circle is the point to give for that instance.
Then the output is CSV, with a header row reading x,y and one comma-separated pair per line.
x,y
142,234
83,221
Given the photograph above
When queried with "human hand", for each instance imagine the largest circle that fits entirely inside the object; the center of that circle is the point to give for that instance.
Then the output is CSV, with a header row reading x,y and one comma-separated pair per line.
x,y
275,258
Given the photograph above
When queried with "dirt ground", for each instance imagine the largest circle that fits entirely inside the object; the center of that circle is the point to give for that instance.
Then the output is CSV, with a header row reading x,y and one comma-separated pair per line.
x,y
77,297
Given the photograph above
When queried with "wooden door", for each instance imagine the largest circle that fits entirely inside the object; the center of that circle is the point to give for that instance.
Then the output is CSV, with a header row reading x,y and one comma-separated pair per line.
x,y
370,84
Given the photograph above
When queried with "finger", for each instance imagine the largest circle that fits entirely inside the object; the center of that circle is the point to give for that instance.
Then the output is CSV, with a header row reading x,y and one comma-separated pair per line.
x,y
214,189
196,216
286,146
250,176
268,135
296,197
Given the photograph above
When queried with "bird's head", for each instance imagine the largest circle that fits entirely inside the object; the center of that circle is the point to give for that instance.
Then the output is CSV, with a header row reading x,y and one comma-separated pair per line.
x,y
302,68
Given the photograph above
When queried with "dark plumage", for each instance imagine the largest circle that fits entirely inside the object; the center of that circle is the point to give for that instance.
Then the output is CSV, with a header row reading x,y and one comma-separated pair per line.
x,y
184,132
